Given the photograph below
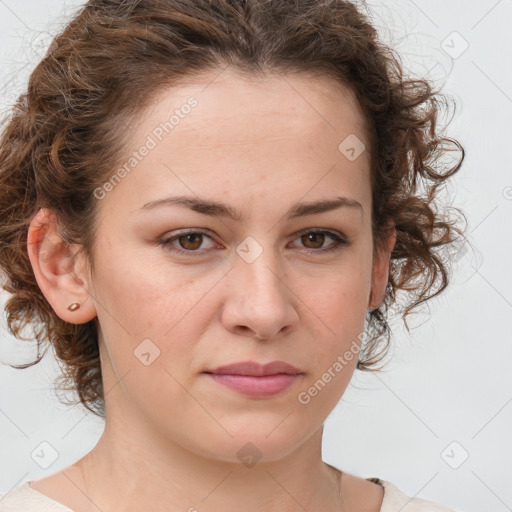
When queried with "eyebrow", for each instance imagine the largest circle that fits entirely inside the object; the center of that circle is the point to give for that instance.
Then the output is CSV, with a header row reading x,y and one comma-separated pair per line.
x,y
219,209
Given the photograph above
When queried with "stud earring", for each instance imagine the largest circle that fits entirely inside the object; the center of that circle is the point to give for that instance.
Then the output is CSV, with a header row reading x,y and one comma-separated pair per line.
x,y
74,306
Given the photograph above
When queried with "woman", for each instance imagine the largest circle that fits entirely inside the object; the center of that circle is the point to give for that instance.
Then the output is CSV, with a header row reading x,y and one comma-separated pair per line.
x,y
209,208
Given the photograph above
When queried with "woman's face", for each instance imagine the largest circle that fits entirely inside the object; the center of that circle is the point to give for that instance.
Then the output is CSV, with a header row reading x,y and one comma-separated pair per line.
x,y
255,286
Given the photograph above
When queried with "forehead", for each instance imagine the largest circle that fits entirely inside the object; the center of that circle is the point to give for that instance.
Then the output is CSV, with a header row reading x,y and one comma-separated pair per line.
x,y
228,134
319,101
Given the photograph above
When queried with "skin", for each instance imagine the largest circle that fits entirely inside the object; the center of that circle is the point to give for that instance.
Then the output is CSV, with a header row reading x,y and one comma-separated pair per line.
x,y
172,434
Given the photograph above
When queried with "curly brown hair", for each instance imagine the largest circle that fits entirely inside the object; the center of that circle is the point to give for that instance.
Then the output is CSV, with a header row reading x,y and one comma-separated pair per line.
x,y
62,139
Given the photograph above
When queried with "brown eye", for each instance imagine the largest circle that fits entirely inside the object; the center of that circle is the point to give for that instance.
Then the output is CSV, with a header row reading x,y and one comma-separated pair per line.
x,y
191,241
316,240
313,241
187,243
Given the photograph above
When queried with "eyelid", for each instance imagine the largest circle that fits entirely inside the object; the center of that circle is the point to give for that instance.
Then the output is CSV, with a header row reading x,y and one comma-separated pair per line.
x,y
167,239
340,240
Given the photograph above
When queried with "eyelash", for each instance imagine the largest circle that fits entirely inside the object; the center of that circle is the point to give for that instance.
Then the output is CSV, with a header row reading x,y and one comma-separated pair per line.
x,y
340,242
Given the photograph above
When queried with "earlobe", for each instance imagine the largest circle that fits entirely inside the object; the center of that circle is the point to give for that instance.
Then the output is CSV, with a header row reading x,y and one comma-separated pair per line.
x,y
380,272
57,269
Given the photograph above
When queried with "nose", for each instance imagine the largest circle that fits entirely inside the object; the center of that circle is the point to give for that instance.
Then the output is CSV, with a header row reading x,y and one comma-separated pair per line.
x,y
259,302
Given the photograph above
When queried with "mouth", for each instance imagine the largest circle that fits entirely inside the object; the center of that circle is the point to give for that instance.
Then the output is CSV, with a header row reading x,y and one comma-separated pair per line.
x,y
256,380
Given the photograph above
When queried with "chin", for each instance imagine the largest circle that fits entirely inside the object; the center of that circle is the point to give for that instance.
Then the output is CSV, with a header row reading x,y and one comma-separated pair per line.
x,y
254,444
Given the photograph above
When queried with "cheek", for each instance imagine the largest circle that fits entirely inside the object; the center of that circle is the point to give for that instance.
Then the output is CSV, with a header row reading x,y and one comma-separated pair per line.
x,y
339,298
336,309
138,295
149,316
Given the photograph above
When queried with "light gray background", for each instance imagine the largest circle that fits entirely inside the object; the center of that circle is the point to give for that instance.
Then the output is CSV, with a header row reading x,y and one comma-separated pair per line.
x,y
446,394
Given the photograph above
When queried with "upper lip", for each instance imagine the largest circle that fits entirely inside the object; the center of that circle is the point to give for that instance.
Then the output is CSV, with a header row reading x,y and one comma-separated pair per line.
x,y
257,369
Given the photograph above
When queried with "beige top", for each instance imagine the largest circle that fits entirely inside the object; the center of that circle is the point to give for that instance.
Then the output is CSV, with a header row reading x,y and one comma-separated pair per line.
x,y
26,499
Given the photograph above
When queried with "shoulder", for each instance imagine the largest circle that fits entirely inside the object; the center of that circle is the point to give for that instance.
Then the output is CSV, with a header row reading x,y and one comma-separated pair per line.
x,y
395,500
378,495
26,499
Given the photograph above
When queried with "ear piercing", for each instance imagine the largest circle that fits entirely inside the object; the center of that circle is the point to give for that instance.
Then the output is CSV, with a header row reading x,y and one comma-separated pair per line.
x,y
74,306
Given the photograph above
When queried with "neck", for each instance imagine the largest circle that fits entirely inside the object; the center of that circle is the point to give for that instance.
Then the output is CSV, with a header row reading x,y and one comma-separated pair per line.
x,y
132,468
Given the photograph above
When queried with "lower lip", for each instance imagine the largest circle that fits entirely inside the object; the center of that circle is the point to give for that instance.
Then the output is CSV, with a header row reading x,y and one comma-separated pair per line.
x,y
257,387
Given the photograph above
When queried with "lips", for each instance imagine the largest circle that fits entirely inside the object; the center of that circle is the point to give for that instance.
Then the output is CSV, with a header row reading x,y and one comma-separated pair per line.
x,y
255,369
256,380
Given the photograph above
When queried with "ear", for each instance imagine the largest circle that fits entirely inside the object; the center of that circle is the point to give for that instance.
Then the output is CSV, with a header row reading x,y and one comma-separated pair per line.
x,y
380,272
58,269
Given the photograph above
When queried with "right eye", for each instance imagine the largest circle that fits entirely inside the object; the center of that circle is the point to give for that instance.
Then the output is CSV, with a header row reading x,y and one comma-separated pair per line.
x,y
189,241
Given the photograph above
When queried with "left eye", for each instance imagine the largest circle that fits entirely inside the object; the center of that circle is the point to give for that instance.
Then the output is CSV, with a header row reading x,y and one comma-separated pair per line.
x,y
190,241
315,236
